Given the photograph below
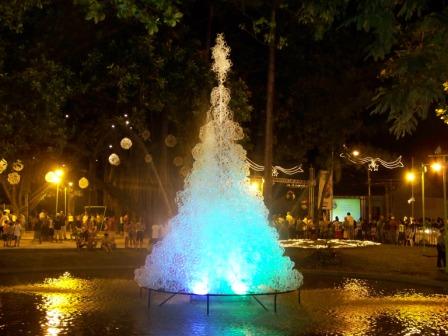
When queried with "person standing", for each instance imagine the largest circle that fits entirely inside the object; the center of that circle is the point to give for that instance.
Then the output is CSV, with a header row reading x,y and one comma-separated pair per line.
x,y
64,225
156,233
139,230
17,233
350,222
441,256
57,225
5,234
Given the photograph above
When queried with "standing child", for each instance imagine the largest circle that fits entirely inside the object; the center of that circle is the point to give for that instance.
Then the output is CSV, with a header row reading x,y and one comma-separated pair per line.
x,y
139,230
17,233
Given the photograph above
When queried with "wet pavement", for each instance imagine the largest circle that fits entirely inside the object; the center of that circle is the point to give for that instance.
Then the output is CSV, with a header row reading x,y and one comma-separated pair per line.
x,y
97,304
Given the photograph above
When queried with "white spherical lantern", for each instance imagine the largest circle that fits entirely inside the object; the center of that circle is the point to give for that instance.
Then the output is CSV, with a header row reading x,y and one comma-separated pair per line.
x,y
114,159
14,178
3,165
17,166
148,158
126,143
83,182
170,140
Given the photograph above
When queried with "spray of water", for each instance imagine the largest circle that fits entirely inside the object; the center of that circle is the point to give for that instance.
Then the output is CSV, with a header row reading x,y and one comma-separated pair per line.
x,y
220,241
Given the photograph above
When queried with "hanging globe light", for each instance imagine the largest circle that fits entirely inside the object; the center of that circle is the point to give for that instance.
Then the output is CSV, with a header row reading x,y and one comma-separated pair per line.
x,y
3,165
178,161
17,166
148,158
83,182
13,178
126,143
114,159
170,140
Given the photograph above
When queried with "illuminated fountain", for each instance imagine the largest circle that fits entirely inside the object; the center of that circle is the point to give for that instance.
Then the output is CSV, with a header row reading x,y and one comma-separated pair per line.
x,y
220,242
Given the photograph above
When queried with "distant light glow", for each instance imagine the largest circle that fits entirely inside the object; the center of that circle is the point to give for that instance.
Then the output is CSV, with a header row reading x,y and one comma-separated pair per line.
x,y
410,176
436,166
355,153
255,187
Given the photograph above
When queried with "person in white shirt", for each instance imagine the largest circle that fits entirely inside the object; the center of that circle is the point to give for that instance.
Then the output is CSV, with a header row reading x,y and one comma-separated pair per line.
x,y
156,233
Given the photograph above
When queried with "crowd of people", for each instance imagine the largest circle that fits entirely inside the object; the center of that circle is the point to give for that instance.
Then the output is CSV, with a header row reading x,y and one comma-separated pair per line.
x,y
11,229
86,230
93,231
385,230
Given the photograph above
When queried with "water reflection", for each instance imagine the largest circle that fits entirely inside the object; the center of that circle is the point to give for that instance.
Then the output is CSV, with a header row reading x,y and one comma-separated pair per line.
x,y
62,299
68,305
358,308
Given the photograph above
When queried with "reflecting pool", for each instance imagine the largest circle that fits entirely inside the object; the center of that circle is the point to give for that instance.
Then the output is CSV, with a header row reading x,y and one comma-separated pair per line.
x,y
101,304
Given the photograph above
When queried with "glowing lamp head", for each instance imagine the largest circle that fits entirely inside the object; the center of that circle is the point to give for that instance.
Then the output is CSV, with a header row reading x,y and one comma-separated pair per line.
x,y
59,173
410,176
355,153
254,187
53,177
436,166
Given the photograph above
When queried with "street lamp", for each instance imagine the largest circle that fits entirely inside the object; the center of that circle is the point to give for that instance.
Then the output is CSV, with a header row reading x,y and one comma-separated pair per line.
x,y
441,166
373,164
70,184
55,177
410,177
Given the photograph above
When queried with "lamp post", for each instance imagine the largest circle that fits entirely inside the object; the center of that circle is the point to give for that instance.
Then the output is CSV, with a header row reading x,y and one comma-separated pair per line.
x,y
373,164
424,169
56,178
441,166
70,184
410,177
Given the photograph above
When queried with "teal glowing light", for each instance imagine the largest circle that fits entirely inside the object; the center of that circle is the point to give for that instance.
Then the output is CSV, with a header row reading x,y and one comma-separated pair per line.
x,y
220,241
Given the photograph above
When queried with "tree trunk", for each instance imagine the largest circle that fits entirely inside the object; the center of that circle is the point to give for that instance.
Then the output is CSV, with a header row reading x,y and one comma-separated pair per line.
x,y
208,36
269,112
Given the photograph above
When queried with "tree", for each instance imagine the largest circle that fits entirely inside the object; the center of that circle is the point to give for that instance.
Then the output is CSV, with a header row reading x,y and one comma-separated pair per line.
x,y
410,39
86,76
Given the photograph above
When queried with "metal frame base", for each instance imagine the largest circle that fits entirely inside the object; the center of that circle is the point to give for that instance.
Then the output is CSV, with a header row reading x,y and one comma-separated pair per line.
x,y
253,295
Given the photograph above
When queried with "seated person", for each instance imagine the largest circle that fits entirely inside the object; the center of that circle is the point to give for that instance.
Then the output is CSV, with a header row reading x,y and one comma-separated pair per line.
x,y
83,238
107,243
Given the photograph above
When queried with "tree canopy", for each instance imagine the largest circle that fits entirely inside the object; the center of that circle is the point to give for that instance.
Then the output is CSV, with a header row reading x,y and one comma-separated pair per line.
x,y
69,70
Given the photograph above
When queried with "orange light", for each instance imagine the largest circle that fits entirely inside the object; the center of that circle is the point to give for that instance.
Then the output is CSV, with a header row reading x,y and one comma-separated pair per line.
x,y
355,153
436,166
410,176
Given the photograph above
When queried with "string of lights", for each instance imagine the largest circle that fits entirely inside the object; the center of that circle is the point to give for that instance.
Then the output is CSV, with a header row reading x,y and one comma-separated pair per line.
x,y
275,169
373,163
